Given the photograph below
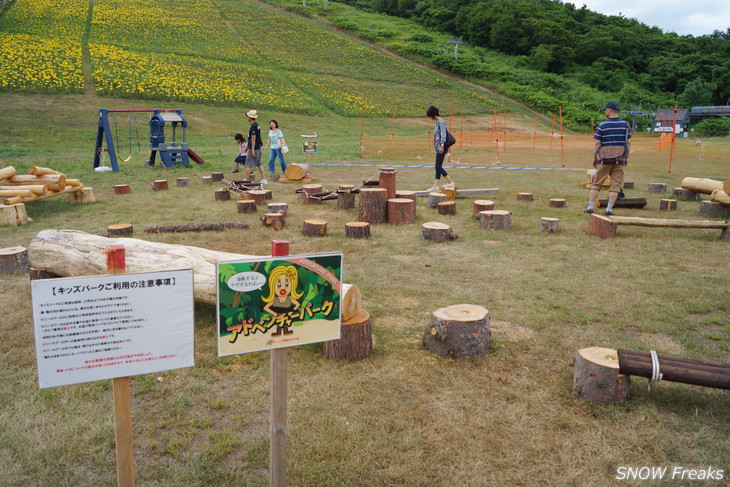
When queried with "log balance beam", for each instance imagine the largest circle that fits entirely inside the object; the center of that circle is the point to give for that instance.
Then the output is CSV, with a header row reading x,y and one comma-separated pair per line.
x,y
605,227
675,369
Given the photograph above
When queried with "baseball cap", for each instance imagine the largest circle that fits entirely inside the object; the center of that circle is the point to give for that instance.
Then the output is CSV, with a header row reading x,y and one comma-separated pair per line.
x,y
611,104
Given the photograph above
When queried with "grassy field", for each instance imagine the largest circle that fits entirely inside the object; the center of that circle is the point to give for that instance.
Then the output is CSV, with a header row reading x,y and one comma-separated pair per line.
x,y
403,416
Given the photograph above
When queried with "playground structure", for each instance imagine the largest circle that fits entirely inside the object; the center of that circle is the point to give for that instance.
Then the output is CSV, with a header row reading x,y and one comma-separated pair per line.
x,y
170,153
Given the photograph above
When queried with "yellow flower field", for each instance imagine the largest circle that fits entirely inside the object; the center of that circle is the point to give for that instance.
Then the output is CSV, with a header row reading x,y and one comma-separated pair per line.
x,y
50,18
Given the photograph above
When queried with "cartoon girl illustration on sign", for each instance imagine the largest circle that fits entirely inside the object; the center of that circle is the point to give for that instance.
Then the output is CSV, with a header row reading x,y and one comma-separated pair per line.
x,y
282,296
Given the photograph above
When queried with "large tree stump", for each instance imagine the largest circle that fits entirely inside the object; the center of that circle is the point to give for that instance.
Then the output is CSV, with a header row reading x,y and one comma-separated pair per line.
x,y
447,208
482,205
159,185
356,339
273,220
495,219
401,211
13,259
712,209
596,376
524,196
120,229
310,190
122,189
373,205
438,232
246,206
314,228
13,215
458,331
83,196
667,205
221,194
182,182
600,226
435,198
345,200
357,230
549,225
258,195
657,187
282,208
557,203
387,180
685,194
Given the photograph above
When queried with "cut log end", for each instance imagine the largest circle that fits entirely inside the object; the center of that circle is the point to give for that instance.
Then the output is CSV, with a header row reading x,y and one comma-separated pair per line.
x,y
458,331
495,219
314,228
13,260
357,230
438,232
596,376
120,229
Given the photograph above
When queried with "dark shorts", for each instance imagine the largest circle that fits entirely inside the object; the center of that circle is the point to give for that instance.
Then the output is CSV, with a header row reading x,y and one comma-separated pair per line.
x,y
241,159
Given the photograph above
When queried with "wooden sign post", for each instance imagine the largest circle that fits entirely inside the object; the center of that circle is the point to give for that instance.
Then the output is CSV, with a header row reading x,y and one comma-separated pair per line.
x,y
278,362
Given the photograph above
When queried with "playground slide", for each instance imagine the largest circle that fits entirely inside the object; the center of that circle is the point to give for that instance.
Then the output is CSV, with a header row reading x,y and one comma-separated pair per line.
x,y
195,157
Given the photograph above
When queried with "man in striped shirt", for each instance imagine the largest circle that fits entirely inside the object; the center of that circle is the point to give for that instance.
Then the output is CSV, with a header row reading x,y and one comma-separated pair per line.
x,y
610,156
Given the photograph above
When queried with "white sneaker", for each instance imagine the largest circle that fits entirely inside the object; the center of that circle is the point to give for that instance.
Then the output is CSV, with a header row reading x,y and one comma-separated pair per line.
x,y
449,186
432,189
264,181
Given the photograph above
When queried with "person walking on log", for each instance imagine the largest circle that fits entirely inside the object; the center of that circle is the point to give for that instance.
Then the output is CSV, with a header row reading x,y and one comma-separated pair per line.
x,y
610,156
253,159
440,146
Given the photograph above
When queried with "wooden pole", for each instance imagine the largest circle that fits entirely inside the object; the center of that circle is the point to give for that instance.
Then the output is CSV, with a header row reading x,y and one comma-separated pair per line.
x,y
496,133
534,134
674,138
552,132
562,146
116,264
504,131
278,363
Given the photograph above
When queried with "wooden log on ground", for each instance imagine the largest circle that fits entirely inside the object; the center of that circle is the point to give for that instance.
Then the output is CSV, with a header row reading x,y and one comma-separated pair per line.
x,y
438,232
628,185
720,197
702,185
556,203
373,205
676,369
402,193
40,171
401,211
83,196
74,182
7,173
435,198
713,210
524,197
122,189
160,185
13,260
666,223
685,194
345,200
314,228
600,226
282,208
182,182
216,176
13,192
447,208
387,180
351,301
120,230
596,376
221,194
458,331
355,342
273,220
624,203
246,206
13,215
357,230
657,187
667,205
296,172
258,195
206,180
495,219
308,192
481,205
197,227
55,182
465,192
549,225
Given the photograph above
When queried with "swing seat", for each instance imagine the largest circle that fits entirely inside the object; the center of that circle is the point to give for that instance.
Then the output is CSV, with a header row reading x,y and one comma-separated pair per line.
x,y
124,160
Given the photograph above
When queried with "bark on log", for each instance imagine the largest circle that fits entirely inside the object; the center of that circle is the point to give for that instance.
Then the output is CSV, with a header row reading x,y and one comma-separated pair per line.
x,y
373,205
345,201
702,185
282,208
122,189
624,203
446,208
351,301
720,197
435,198
55,182
549,225
401,211
355,342
196,227
438,232
657,187
308,192
120,229
72,253
160,185
221,195
713,210
557,203
295,172
524,196
387,180
685,194
600,226
667,205
676,369
7,173
458,331
182,182
482,205
357,230
13,259
314,228
258,195
13,214
495,219
273,220
83,196
596,376
246,206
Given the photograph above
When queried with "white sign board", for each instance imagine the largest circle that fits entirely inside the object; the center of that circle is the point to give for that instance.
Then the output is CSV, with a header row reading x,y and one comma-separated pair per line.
x,y
114,325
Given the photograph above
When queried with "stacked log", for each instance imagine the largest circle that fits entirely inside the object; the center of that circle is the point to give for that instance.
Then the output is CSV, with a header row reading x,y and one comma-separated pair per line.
x,y
675,369
41,183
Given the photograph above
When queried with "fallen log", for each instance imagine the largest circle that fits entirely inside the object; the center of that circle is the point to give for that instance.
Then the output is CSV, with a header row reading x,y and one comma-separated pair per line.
x,y
675,369
70,253
465,192
624,203
55,182
702,185
720,197
196,227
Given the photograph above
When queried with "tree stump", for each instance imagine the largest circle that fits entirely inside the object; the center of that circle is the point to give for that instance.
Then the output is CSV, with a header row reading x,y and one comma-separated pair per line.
x,y
13,214
596,376
411,195
482,205
387,180
182,182
667,205
556,203
207,180
628,185
712,209
345,200
357,230
450,193
122,189
216,176
314,228
495,219
13,259
600,226
83,196
120,229
438,232
524,196
160,185
282,208
345,188
309,190
273,220
355,342
258,195
657,187
435,198
221,195
458,331
246,206
549,225
269,194
373,205
447,208
401,211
